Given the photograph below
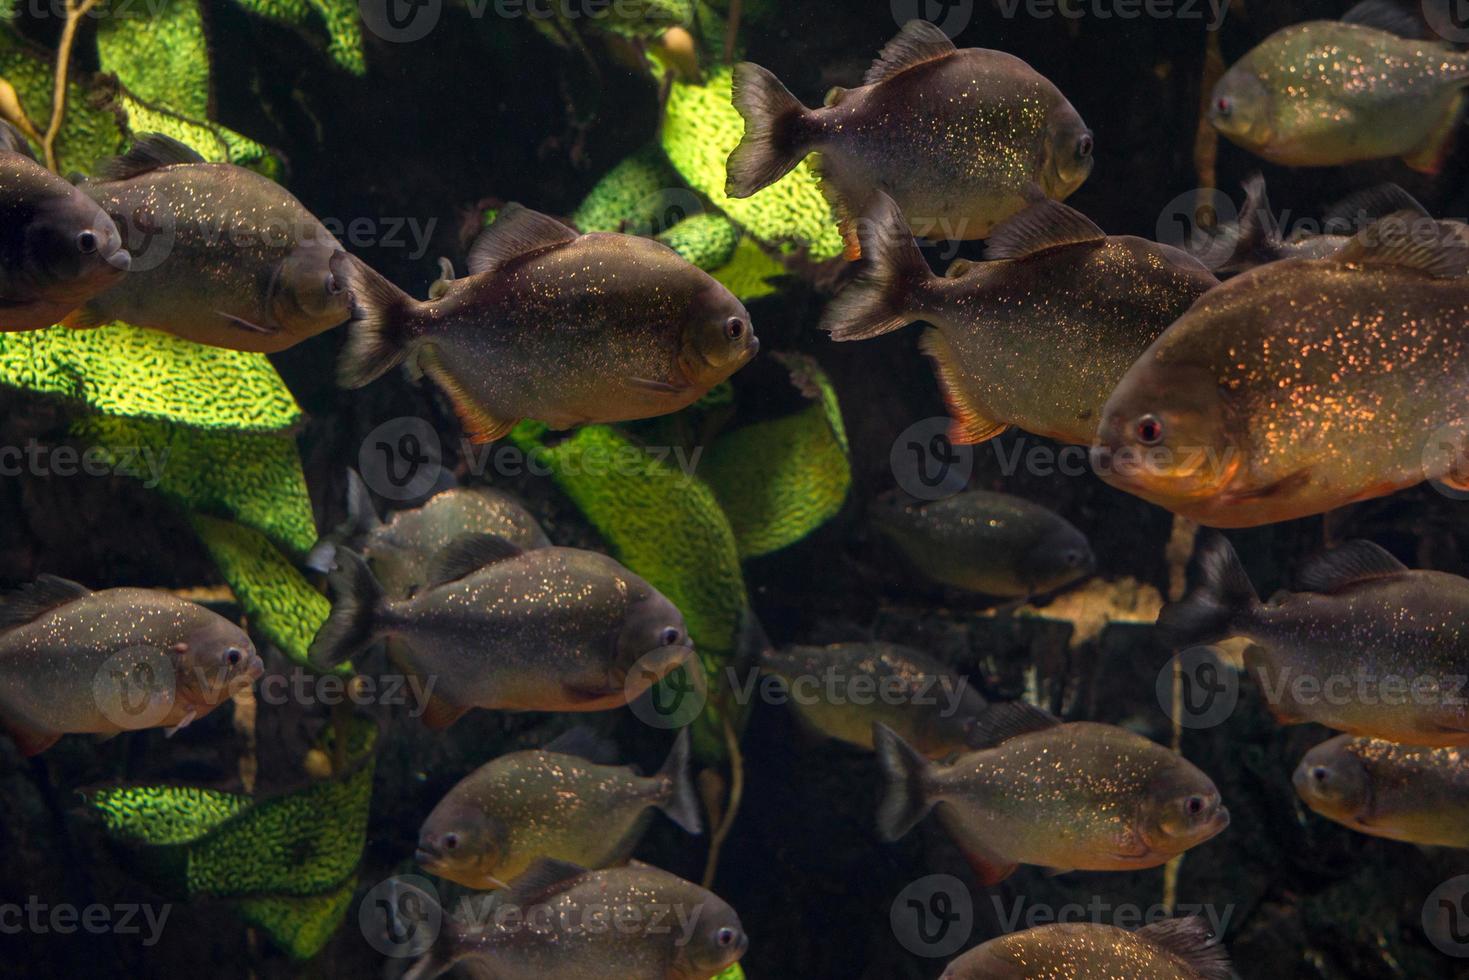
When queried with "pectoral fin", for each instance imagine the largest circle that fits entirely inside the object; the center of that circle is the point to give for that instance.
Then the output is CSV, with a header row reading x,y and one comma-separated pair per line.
x,y
244,324
659,387
970,425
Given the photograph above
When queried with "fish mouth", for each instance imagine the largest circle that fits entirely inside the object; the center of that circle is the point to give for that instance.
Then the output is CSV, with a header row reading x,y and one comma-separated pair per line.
x,y
121,260
1217,824
426,858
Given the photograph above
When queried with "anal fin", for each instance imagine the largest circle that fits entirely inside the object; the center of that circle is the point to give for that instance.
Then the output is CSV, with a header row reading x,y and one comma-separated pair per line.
x,y
970,424
439,714
479,424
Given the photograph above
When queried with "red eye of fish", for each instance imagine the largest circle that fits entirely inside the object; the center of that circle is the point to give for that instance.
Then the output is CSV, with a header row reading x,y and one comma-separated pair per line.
x,y
1225,107
734,328
725,936
451,841
1195,805
1084,146
1149,430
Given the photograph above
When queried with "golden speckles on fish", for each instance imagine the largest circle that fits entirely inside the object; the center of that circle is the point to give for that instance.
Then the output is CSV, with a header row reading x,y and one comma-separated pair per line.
x,y
1038,337
958,138
551,325
1401,792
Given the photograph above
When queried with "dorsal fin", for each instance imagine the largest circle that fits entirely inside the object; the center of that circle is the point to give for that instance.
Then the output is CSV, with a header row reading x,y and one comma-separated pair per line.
x,y
1002,722
1359,209
469,553
1043,226
14,140
29,602
517,231
919,41
149,152
544,880
586,744
1190,940
1407,240
1353,562
1259,233
1388,16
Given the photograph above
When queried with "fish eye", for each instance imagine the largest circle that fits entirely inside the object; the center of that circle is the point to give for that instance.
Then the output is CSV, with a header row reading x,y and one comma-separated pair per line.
x,y
1149,430
451,841
734,328
1072,558
87,242
1319,774
1194,805
1224,106
669,636
333,287
233,656
1084,146
725,937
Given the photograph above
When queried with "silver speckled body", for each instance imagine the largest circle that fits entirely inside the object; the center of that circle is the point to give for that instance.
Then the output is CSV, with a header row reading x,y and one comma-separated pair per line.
x,y
1359,645
1400,792
955,141
536,632
210,239
1071,951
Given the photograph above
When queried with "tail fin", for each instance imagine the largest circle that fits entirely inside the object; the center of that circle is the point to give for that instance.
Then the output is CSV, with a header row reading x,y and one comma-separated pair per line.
x,y
682,806
893,272
381,328
1221,598
351,625
361,518
904,768
771,147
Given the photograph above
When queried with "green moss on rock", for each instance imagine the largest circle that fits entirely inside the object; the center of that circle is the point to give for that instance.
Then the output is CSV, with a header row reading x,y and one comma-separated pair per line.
x,y
631,193
159,52
707,240
750,272
164,814
340,18
300,926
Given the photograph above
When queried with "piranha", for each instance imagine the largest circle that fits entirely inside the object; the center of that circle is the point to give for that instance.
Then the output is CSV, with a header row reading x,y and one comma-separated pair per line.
x,y
222,255
1039,336
1078,796
1257,238
1363,645
1401,792
841,689
556,803
1303,385
399,549
1326,93
552,325
993,543
58,249
552,629
564,922
74,661
1173,949
960,139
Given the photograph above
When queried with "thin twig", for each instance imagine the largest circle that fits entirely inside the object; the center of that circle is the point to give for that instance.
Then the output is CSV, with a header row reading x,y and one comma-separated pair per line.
x,y
731,30
74,15
736,790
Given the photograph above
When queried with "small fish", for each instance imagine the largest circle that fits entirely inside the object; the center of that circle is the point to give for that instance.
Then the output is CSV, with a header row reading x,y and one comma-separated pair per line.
x,y
1257,238
1038,337
562,922
1174,949
840,690
1078,796
556,803
76,661
553,629
552,325
222,255
993,543
1302,385
400,549
1364,645
1401,792
960,139
1326,93
58,249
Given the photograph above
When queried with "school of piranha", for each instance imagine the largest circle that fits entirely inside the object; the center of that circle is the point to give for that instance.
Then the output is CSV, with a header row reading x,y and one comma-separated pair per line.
x,y
1297,376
